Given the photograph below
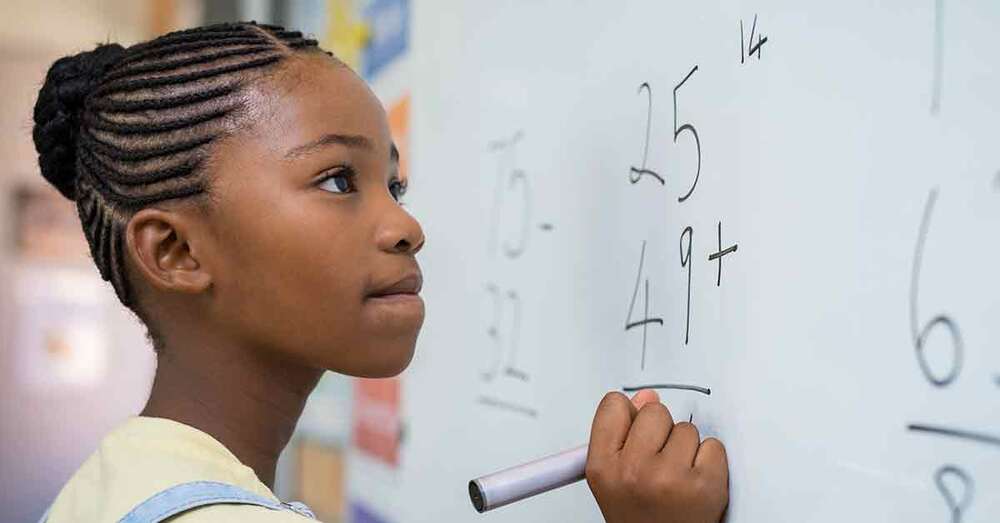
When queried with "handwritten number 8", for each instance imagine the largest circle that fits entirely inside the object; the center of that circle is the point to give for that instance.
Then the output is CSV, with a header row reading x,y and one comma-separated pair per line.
x,y
955,504
920,335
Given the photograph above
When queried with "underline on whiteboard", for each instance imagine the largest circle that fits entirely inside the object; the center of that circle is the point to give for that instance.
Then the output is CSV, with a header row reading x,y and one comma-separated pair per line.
x,y
672,386
508,405
979,437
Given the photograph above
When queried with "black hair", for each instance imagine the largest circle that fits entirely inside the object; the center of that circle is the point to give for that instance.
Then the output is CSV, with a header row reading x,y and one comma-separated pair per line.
x,y
118,129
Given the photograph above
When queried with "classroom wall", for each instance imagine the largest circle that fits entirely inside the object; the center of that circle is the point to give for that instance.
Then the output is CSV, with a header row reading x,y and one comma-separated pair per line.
x,y
51,420
54,408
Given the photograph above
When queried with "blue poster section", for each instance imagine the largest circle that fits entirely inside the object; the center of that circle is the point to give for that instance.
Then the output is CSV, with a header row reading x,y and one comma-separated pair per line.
x,y
362,514
389,21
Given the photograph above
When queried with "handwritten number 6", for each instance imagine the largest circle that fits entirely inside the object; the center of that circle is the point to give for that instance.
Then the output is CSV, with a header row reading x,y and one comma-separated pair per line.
x,y
920,335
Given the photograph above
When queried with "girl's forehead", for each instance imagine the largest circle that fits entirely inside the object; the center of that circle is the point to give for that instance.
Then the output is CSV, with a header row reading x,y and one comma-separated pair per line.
x,y
314,96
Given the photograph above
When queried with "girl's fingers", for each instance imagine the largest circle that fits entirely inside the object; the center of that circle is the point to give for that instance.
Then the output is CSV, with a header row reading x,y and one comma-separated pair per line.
x,y
682,445
611,425
712,461
649,431
645,396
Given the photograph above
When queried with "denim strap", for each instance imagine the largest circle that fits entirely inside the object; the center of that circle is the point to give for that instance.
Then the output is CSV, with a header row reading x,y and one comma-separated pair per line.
x,y
195,494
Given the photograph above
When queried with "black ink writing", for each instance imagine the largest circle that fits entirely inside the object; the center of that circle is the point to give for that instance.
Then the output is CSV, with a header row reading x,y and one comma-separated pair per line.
x,y
967,435
956,503
646,320
512,369
669,386
636,173
937,76
718,255
517,177
686,262
754,47
690,128
920,335
510,406
502,350
509,178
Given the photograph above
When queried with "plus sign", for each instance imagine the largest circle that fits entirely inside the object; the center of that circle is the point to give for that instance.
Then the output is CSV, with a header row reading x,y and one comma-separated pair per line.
x,y
720,253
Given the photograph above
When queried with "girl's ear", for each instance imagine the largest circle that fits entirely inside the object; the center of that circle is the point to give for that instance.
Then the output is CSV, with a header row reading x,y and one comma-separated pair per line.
x,y
159,243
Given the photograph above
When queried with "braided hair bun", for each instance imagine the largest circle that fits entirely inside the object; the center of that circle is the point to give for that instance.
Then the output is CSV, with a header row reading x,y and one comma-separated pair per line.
x,y
59,112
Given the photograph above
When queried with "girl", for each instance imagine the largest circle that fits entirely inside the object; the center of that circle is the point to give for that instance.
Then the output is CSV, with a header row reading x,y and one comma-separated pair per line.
x,y
238,188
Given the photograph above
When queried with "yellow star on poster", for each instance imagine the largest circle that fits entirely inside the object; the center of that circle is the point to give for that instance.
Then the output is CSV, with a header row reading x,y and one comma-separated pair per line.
x,y
346,35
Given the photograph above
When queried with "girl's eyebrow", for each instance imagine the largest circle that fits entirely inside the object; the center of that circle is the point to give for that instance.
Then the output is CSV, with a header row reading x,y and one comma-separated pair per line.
x,y
350,140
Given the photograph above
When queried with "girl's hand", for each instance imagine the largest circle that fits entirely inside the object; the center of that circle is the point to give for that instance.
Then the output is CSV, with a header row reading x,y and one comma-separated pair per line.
x,y
643,468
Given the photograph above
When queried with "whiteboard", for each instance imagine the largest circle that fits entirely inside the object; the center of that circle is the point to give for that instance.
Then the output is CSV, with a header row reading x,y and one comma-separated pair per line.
x,y
851,342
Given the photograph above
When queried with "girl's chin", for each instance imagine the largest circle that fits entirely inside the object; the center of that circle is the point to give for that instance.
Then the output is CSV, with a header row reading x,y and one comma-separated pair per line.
x,y
396,313
385,360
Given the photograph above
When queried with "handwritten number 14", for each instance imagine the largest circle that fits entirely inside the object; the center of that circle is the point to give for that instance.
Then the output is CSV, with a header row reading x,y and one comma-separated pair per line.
x,y
754,47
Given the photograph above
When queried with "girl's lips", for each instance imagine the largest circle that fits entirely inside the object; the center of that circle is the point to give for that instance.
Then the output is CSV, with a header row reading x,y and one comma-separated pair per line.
x,y
395,307
407,285
402,298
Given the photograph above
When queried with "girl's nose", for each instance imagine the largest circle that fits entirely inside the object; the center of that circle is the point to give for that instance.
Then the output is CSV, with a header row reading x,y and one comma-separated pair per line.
x,y
399,232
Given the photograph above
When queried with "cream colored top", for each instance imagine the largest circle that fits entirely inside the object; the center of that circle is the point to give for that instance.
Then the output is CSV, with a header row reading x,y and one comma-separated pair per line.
x,y
145,455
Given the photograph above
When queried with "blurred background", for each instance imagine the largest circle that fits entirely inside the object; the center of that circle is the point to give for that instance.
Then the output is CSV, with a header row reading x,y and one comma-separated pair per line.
x,y
73,362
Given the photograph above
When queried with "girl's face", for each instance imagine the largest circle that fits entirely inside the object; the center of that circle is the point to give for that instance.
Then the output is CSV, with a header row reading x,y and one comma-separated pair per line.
x,y
312,256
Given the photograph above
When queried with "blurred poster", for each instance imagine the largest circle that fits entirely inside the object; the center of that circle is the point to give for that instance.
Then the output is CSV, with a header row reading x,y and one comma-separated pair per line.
x,y
377,427
346,34
46,227
60,338
362,514
321,479
399,126
389,27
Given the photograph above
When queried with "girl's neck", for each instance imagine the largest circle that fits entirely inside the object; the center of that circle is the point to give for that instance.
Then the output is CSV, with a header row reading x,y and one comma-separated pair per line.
x,y
248,401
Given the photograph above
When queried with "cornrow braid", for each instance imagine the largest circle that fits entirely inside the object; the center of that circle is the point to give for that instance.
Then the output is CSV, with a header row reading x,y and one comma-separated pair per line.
x,y
118,129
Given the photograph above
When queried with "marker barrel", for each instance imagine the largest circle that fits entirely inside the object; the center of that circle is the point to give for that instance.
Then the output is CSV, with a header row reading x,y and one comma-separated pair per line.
x,y
523,481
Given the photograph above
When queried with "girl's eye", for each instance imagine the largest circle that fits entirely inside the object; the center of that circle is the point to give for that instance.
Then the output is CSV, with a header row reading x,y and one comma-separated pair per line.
x,y
340,182
397,188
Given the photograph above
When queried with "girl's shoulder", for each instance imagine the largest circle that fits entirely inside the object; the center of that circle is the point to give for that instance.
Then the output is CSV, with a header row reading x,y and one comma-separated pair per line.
x,y
143,458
